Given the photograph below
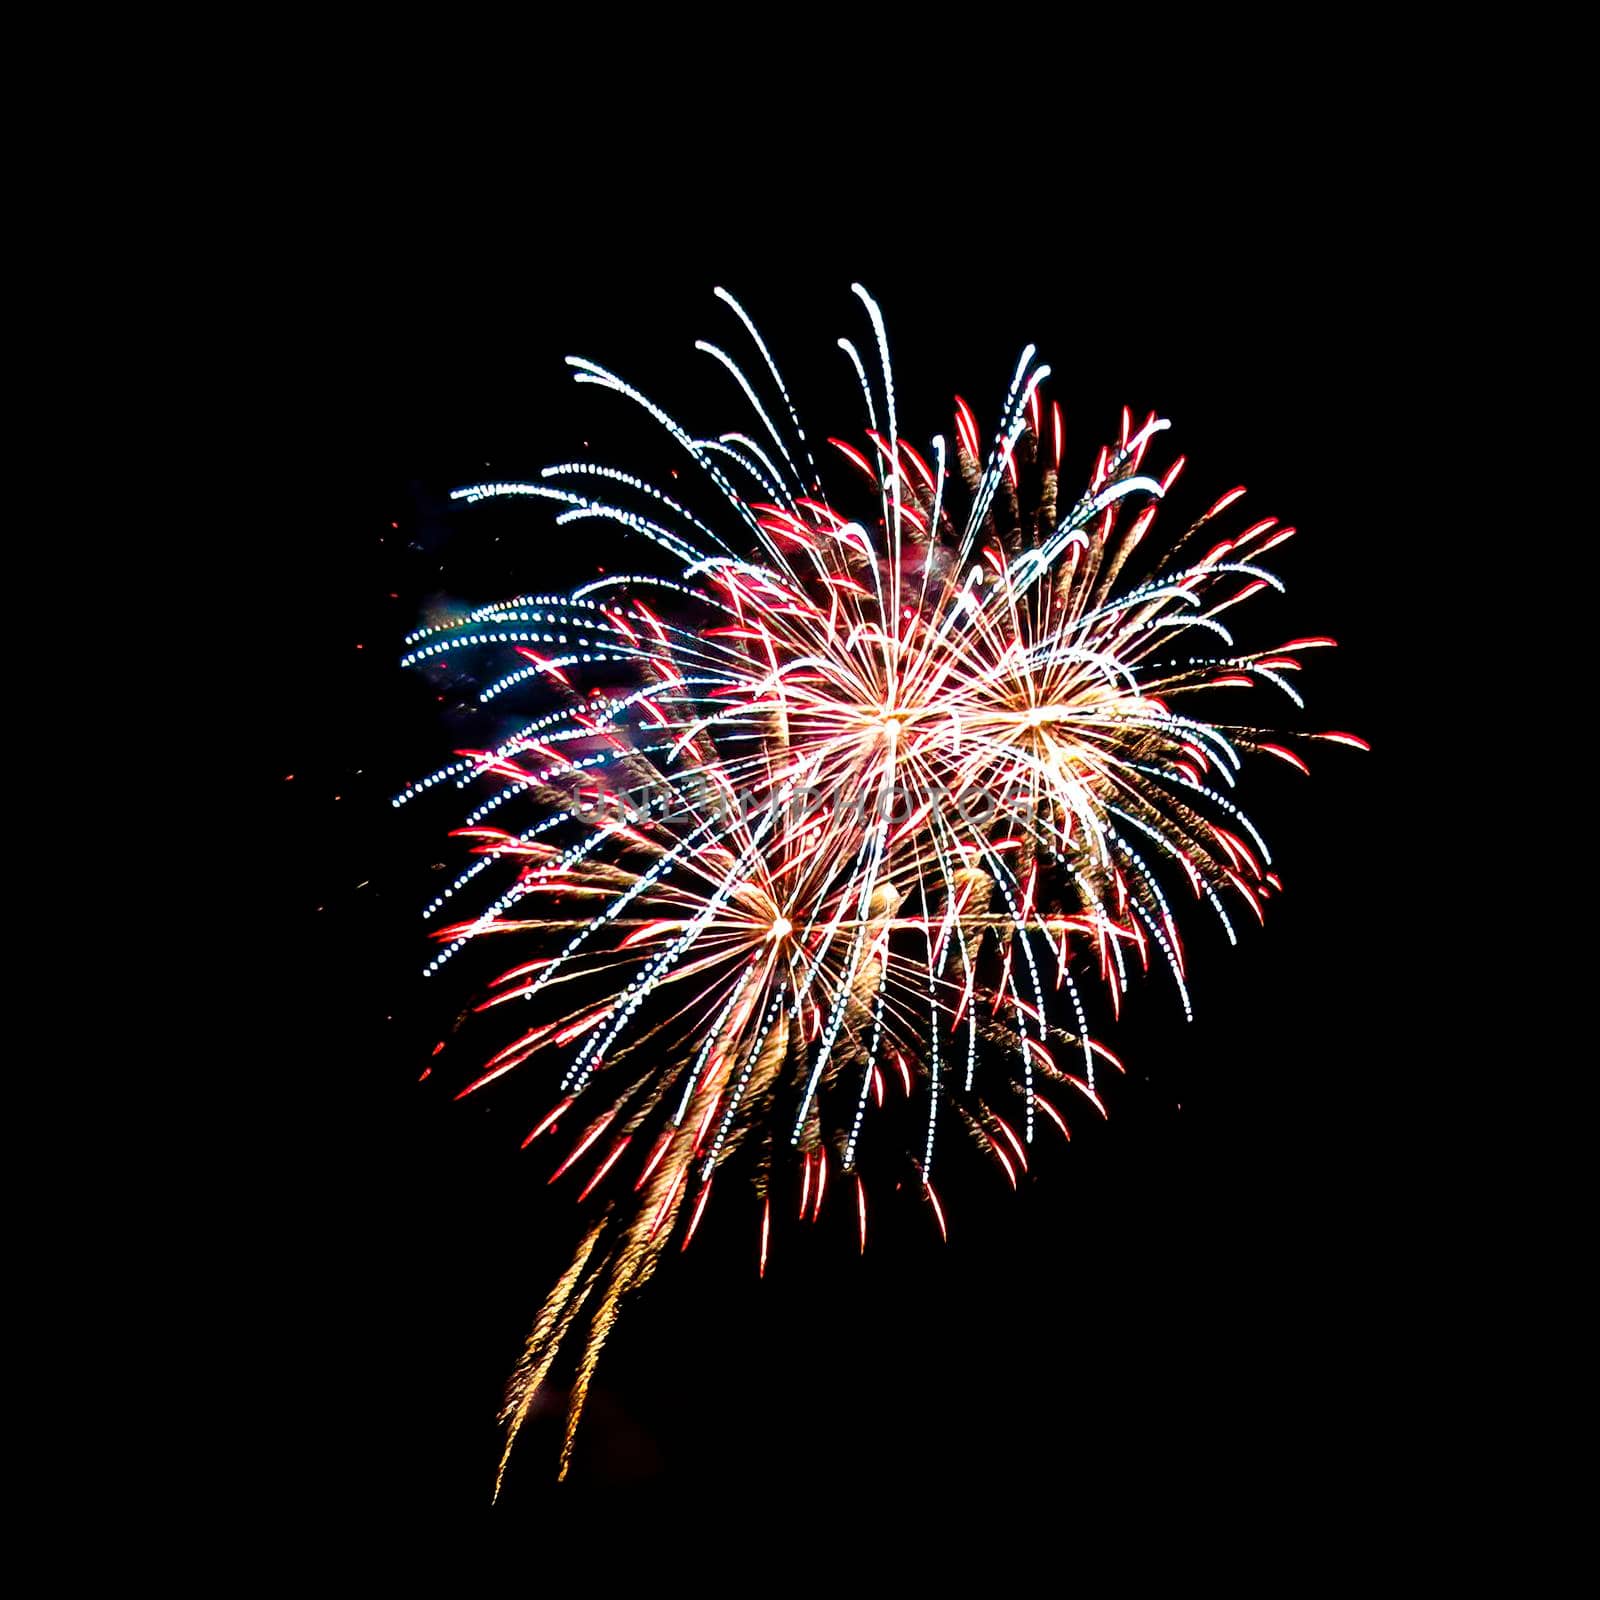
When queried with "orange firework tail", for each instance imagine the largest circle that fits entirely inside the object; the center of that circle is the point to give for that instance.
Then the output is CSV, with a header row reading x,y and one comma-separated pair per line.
x,y
625,1264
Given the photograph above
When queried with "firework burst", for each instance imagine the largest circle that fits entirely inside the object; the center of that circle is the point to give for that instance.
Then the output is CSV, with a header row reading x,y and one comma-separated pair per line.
x,y
868,805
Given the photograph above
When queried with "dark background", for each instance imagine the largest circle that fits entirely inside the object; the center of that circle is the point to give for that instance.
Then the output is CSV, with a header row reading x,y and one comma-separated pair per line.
x,y
1196,1301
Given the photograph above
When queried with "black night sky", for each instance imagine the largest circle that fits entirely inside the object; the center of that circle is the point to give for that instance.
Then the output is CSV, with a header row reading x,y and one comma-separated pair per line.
x,y
1191,1300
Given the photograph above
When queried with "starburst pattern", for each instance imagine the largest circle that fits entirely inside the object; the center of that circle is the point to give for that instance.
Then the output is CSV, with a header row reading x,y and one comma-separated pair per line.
x,y
894,778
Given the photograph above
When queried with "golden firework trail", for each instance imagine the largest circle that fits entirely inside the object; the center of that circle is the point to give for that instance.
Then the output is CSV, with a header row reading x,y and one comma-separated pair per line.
x,y
864,802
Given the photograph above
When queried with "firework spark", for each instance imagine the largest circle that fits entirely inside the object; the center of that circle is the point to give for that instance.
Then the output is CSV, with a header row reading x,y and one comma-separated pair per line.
x,y
866,807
